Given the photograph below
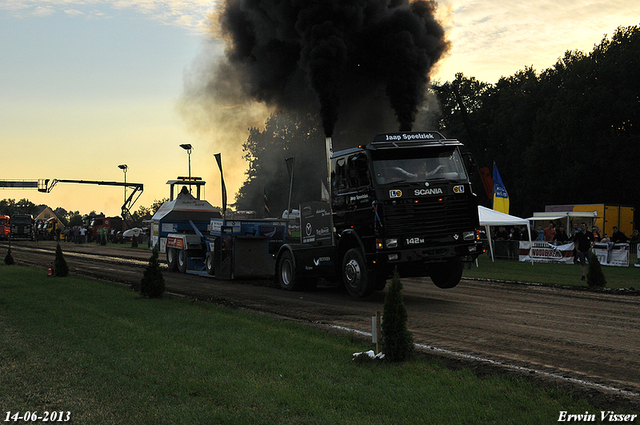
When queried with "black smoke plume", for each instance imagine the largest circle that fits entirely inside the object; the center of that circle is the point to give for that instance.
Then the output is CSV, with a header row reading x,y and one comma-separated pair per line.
x,y
342,57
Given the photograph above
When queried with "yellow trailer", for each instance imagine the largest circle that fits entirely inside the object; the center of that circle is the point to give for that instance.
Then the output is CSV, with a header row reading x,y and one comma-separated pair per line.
x,y
607,216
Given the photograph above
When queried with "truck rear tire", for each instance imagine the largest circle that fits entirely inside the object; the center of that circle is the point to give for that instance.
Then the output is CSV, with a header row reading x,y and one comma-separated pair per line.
x,y
355,275
447,275
286,272
182,261
208,264
172,259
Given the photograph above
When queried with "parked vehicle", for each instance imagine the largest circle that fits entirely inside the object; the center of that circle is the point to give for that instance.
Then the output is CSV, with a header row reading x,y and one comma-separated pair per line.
x,y
5,227
22,227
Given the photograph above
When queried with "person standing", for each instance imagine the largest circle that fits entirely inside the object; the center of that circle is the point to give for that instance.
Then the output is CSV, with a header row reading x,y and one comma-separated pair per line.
x,y
549,233
584,241
596,234
514,242
560,237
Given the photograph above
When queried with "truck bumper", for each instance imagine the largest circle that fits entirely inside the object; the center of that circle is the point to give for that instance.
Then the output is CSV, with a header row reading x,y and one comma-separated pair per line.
x,y
429,254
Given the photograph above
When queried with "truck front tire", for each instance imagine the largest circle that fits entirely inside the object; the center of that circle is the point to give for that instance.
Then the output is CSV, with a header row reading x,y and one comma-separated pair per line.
x,y
447,275
355,275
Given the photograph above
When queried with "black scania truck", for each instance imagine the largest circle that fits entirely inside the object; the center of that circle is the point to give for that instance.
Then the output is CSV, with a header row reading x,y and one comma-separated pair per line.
x,y
402,201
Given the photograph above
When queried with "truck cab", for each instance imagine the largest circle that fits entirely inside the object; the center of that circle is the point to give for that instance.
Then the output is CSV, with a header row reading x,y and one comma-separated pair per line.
x,y
402,202
407,199
22,227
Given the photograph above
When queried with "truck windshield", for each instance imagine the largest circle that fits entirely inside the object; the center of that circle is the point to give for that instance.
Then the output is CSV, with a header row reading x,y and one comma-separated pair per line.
x,y
415,166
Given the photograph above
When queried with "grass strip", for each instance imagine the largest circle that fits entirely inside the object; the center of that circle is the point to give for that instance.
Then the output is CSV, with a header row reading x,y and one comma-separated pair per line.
x,y
110,357
551,274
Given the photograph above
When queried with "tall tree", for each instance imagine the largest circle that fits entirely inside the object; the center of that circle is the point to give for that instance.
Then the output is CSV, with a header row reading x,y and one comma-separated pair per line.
x,y
570,135
284,136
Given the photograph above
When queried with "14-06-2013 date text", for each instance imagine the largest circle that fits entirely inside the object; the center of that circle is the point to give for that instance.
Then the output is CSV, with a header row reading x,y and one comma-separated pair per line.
x,y
55,416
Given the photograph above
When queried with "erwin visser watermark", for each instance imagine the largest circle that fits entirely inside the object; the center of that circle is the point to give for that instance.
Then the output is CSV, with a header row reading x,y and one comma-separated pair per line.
x,y
605,416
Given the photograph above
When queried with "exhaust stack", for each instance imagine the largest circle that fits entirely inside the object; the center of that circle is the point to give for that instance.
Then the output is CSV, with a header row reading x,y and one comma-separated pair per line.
x,y
329,147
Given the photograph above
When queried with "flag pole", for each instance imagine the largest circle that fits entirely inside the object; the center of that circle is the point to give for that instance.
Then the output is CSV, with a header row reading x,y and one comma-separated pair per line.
x,y
224,189
493,197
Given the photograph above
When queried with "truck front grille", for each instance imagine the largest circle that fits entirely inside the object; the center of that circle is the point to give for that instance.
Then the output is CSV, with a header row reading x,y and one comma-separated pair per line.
x,y
429,218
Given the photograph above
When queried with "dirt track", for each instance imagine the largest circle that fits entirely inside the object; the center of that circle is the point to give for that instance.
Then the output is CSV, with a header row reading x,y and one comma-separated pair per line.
x,y
582,335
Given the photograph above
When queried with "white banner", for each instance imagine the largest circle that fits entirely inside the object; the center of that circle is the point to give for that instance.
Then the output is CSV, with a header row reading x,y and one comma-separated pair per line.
x,y
544,252
610,254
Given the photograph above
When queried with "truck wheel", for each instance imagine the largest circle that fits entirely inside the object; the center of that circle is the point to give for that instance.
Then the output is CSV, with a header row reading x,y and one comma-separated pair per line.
x,y
172,259
286,272
208,263
447,275
355,274
182,261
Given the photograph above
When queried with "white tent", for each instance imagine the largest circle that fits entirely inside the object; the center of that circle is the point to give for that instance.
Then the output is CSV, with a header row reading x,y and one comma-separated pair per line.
x,y
567,216
489,217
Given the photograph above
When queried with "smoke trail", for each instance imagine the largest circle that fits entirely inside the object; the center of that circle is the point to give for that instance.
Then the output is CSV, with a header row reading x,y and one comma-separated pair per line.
x,y
335,55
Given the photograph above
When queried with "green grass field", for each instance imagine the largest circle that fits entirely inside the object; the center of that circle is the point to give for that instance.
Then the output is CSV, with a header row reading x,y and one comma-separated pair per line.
x,y
551,274
105,355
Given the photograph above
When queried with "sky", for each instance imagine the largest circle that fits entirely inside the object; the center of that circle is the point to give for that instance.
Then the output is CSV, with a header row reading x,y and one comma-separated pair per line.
x,y
87,85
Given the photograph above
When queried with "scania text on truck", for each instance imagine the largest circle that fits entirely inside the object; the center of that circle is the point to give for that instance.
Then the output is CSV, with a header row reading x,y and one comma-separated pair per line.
x,y
403,201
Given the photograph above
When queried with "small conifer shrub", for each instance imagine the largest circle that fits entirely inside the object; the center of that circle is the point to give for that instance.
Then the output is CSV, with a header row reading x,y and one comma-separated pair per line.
x,y
60,267
8,259
595,275
152,283
397,341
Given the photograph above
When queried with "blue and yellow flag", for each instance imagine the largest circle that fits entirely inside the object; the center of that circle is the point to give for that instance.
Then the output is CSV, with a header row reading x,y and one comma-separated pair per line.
x,y
500,195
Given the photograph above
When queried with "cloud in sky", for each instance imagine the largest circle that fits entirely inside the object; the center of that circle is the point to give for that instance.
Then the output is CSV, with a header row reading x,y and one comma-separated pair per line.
x,y
491,38
497,38
182,13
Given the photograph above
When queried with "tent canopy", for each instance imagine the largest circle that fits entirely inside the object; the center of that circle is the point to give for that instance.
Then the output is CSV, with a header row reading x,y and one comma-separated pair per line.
x,y
489,218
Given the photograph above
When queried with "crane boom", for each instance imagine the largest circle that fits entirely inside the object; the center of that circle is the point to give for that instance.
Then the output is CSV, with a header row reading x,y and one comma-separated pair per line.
x,y
46,185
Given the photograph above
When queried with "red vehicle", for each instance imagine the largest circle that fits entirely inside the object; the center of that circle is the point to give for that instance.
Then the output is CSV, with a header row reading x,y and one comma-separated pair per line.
x,y
110,223
5,227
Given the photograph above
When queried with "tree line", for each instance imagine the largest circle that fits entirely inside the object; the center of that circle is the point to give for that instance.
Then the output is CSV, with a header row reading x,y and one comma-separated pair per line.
x,y
567,135
11,207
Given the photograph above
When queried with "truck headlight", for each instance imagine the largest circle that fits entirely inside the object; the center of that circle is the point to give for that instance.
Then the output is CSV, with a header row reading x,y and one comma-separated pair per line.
x,y
469,236
391,243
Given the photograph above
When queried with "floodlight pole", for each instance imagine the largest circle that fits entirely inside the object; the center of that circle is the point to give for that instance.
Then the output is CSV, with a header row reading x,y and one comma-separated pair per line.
x,y
188,148
124,169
